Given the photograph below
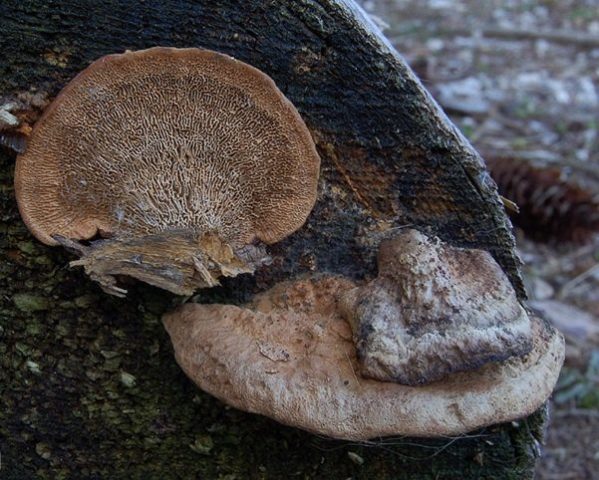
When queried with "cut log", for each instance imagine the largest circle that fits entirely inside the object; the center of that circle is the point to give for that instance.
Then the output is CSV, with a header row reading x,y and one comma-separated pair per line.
x,y
89,385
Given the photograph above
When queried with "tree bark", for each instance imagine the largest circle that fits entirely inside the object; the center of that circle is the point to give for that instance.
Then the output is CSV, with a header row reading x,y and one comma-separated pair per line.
x,y
89,387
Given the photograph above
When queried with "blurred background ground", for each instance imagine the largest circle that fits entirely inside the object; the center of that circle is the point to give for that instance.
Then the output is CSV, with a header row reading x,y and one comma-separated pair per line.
x,y
521,80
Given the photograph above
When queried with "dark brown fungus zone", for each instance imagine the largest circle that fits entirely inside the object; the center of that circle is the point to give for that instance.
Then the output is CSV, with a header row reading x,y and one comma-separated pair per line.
x,y
183,159
434,310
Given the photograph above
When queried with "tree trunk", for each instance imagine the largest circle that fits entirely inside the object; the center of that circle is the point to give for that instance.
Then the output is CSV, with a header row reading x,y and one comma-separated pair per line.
x,y
89,386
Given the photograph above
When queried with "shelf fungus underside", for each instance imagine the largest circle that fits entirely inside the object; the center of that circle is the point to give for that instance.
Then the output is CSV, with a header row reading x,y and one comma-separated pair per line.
x,y
290,355
436,345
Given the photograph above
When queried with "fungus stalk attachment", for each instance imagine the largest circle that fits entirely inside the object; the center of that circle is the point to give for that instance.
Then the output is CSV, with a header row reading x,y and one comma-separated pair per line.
x,y
179,262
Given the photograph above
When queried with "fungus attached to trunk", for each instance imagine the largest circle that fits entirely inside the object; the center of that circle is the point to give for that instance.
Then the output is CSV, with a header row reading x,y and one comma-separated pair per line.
x,y
289,355
433,310
167,148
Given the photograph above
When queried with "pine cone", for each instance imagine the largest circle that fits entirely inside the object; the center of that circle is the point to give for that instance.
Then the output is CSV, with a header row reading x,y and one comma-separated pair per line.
x,y
552,209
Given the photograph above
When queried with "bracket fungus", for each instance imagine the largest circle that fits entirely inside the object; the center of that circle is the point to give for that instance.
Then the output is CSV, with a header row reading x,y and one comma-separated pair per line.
x,y
289,355
433,310
182,159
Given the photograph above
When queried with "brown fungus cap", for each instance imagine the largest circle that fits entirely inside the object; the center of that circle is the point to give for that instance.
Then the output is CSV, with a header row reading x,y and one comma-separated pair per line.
x,y
289,355
164,139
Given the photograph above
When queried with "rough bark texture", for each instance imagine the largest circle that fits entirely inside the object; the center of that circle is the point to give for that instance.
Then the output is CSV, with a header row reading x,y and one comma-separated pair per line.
x,y
89,387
